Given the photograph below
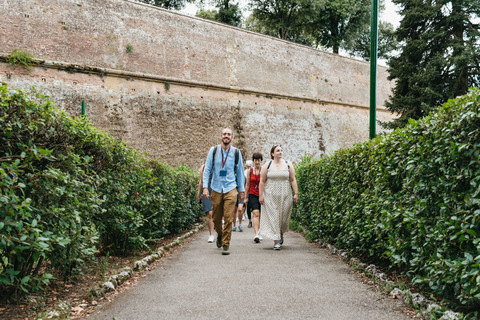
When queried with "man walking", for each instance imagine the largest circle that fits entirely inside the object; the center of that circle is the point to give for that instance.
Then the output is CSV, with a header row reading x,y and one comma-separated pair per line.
x,y
228,184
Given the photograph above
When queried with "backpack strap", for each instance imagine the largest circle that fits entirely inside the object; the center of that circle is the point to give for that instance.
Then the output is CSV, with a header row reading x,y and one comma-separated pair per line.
x,y
214,154
288,166
236,160
237,156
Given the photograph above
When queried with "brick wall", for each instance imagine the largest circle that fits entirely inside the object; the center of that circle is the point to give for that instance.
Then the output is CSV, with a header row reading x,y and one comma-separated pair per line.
x,y
186,78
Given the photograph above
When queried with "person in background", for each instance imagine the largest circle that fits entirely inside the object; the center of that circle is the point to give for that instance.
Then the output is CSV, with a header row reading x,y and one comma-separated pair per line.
x,y
228,185
207,204
238,215
277,178
248,164
252,193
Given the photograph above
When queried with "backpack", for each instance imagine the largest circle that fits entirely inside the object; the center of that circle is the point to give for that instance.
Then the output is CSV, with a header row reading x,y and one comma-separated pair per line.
x,y
236,158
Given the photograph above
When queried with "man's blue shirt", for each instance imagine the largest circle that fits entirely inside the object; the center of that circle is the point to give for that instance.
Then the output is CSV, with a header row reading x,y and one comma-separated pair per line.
x,y
224,184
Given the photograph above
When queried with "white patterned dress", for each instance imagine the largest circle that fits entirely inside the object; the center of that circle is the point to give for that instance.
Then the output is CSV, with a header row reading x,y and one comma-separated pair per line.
x,y
278,203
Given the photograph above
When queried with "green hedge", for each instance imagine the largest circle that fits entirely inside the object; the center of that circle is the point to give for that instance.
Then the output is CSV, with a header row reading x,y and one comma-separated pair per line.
x,y
410,198
68,190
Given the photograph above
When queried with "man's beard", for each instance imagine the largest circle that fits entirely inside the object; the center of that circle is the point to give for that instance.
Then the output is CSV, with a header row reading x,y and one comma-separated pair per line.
x,y
226,143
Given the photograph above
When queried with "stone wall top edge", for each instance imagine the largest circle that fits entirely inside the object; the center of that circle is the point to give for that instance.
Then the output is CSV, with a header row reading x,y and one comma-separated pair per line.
x,y
227,26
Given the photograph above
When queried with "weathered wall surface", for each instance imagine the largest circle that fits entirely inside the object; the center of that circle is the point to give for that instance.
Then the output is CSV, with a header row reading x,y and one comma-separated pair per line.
x,y
186,78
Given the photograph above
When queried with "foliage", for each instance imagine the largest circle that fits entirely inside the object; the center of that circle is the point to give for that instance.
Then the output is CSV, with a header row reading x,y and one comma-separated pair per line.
x,y
285,18
207,14
410,198
68,190
169,4
228,12
129,48
439,56
23,58
339,22
46,193
361,46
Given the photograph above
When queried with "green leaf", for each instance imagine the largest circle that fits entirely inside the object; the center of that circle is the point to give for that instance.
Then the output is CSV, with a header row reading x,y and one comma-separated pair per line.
x,y
471,232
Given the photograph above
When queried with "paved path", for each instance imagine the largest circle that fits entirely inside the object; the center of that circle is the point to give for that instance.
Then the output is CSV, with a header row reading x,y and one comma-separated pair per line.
x,y
254,282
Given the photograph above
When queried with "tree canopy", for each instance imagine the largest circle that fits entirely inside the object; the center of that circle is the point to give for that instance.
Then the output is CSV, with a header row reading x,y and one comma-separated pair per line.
x,y
228,12
439,56
286,17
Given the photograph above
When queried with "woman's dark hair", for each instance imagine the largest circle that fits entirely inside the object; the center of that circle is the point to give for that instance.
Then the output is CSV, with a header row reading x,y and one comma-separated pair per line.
x,y
273,149
257,155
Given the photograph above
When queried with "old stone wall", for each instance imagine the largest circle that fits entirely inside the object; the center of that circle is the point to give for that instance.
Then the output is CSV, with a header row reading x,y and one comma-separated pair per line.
x,y
186,78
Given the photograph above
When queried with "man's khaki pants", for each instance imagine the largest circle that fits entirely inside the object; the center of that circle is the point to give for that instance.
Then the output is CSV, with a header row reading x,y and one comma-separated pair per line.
x,y
223,206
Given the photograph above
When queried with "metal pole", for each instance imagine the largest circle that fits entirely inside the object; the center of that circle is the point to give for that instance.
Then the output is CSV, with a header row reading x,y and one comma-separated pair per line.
x,y
373,68
83,108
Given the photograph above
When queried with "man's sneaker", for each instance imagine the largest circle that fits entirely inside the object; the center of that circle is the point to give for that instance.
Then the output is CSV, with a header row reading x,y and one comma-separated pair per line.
x,y
281,239
240,228
256,239
225,251
250,224
277,245
234,228
219,242
260,237
211,238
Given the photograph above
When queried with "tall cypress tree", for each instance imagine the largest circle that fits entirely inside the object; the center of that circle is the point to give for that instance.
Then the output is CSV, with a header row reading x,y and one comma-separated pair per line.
x,y
439,56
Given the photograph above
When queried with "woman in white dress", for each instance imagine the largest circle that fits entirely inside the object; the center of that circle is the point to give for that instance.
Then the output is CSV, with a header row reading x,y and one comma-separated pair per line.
x,y
275,196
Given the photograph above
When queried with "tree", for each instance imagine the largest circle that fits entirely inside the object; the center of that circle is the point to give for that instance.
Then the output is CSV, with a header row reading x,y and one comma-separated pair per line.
x,y
439,57
170,4
297,35
286,17
228,12
361,47
339,22
207,14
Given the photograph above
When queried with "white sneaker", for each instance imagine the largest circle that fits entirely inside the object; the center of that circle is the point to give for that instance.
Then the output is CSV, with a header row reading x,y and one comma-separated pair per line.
x,y
260,237
210,239
276,246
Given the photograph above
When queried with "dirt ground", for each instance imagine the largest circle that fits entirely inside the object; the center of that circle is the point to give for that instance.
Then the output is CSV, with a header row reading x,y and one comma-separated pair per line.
x,y
75,292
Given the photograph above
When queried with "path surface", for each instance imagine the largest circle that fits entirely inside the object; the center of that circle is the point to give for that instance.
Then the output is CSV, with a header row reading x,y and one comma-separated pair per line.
x,y
301,281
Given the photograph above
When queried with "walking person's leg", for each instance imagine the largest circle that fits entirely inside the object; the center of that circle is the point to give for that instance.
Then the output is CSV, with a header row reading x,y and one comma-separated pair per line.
x,y
229,200
249,215
210,225
240,216
217,208
234,228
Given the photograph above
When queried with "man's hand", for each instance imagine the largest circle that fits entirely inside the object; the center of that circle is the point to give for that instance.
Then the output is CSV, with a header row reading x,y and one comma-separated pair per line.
x,y
261,200
241,195
205,193
199,198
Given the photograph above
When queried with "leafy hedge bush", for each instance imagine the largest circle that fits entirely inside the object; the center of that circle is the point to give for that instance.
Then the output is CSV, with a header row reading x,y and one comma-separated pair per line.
x,y
68,190
410,198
